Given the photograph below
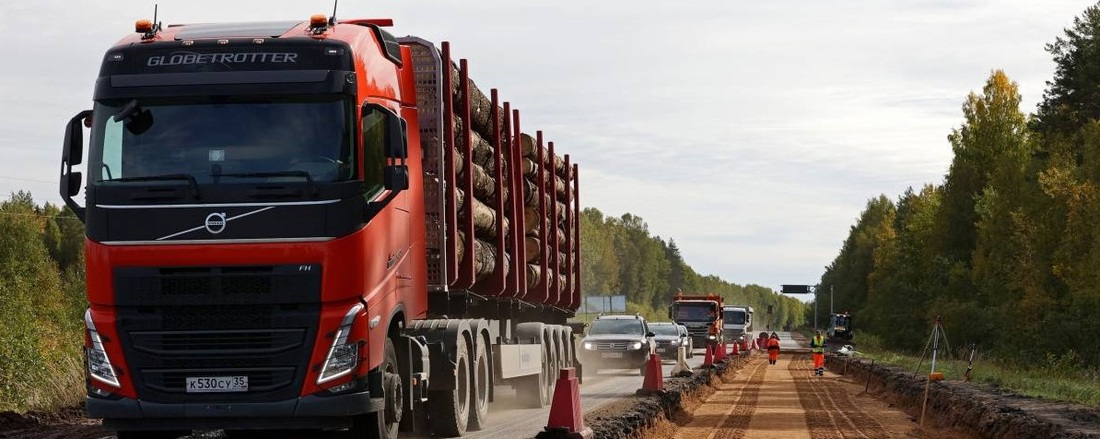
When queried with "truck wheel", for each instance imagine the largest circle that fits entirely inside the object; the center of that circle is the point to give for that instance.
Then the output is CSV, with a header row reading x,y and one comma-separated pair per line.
x,y
480,382
449,410
384,424
553,362
532,388
567,337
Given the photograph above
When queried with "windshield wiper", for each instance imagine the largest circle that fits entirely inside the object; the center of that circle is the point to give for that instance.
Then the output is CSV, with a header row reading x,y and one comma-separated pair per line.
x,y
194,185
309,179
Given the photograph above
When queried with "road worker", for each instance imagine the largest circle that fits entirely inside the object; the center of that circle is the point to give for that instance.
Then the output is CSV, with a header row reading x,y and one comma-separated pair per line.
x,y
773,348
817,348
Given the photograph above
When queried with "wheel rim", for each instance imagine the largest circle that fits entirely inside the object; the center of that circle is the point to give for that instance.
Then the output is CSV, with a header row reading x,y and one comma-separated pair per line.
x,y
395,398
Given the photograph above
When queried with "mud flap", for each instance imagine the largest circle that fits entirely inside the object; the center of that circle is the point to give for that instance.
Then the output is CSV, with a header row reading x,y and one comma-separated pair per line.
x,y
414,362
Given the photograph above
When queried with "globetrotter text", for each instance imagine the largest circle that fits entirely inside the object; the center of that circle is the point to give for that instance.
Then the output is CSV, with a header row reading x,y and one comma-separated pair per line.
x,y
221,58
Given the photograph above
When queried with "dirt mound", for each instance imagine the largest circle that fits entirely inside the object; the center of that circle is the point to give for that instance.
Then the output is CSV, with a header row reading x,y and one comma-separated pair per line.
x,y
973,408
66,423
631,417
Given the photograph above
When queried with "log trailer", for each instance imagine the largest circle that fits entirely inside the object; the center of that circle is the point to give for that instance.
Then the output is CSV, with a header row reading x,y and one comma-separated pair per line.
x,y
314,224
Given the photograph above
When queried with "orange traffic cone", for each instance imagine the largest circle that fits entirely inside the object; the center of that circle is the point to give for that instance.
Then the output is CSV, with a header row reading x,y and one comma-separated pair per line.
x,y
566,417
653,383
744,345
720,352
736,353
708,359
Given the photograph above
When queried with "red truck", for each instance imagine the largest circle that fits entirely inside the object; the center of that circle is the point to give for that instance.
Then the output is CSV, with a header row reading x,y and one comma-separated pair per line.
x,y
701,314
313,224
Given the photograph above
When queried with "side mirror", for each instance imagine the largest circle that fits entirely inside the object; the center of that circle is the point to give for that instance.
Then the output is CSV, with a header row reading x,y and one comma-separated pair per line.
x,y
397,139
650,335
72,153
395,177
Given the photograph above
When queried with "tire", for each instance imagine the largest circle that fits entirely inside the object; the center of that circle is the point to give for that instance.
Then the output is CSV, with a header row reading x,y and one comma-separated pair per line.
x,y
532,389
567,338
553,361
449,410
480,381
384,424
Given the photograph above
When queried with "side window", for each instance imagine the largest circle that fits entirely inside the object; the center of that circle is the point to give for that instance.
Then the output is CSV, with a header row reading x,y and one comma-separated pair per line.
x,y
374,147
112,151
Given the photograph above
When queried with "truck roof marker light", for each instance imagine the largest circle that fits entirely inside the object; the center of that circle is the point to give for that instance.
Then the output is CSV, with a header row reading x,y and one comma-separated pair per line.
x,y
188,42
318,24
143,25
257,41
223,42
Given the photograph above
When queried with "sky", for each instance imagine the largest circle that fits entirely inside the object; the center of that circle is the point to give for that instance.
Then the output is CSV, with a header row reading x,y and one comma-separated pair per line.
x,y
750,133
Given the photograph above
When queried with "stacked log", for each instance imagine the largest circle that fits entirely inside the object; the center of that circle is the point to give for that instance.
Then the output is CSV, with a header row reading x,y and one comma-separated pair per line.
x,y
483,173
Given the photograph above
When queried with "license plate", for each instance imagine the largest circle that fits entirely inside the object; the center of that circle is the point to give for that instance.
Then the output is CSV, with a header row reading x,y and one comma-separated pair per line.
x,y
217,384
612,355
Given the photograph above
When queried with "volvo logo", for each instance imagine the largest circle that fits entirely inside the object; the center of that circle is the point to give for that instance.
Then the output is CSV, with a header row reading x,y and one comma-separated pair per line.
x,y
215,223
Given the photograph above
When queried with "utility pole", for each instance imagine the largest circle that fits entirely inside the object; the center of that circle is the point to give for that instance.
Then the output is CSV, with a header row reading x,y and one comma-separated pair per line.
x,y
815,308
830,300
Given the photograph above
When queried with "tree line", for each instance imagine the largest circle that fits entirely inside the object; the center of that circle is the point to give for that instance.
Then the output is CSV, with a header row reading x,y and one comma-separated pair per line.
x,y
620,257
42,304
1006,250
42,297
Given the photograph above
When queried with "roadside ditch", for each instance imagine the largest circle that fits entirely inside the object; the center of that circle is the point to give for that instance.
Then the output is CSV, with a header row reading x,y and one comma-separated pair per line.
x,y
970,408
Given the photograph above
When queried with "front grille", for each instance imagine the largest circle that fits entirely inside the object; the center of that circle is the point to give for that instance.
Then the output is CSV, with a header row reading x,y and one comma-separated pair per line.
x,y
258,322
612,345
218,342
145,286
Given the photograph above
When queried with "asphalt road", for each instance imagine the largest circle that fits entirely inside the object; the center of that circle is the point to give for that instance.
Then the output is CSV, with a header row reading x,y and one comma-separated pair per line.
x,y
508,422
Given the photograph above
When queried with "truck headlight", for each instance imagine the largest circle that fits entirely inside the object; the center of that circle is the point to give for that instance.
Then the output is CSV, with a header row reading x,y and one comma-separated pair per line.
x,y
589,346
342,356
99,364
712,337
637,345
674,342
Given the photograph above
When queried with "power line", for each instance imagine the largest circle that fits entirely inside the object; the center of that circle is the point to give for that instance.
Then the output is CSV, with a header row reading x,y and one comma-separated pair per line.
x,y
39,215
7,177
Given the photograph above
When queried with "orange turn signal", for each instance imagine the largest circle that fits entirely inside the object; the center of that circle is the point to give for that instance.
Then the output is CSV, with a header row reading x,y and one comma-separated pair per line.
x,y
318,20
143,26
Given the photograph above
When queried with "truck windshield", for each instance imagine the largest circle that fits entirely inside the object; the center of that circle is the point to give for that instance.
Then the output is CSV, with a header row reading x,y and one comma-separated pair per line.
x,y
250,137
695,312
616,326
734,317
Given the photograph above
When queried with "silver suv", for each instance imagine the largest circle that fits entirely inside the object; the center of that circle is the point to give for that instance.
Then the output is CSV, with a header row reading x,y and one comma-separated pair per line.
x,y
616,342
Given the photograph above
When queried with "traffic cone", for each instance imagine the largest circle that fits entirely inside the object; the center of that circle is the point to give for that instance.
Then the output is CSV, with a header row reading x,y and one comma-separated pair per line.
x,y
708,359
653,383
745,345
566,417
736,353
720,352
682,369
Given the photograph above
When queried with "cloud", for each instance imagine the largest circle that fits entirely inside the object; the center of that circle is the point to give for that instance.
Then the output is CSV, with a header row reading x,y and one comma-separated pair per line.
x,y
752,133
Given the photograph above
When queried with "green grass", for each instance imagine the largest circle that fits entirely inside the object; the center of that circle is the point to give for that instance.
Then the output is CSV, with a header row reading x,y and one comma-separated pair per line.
x,y
1053,378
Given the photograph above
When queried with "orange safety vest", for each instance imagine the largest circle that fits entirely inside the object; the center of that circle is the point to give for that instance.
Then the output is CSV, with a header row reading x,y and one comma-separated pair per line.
x,y
773,344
